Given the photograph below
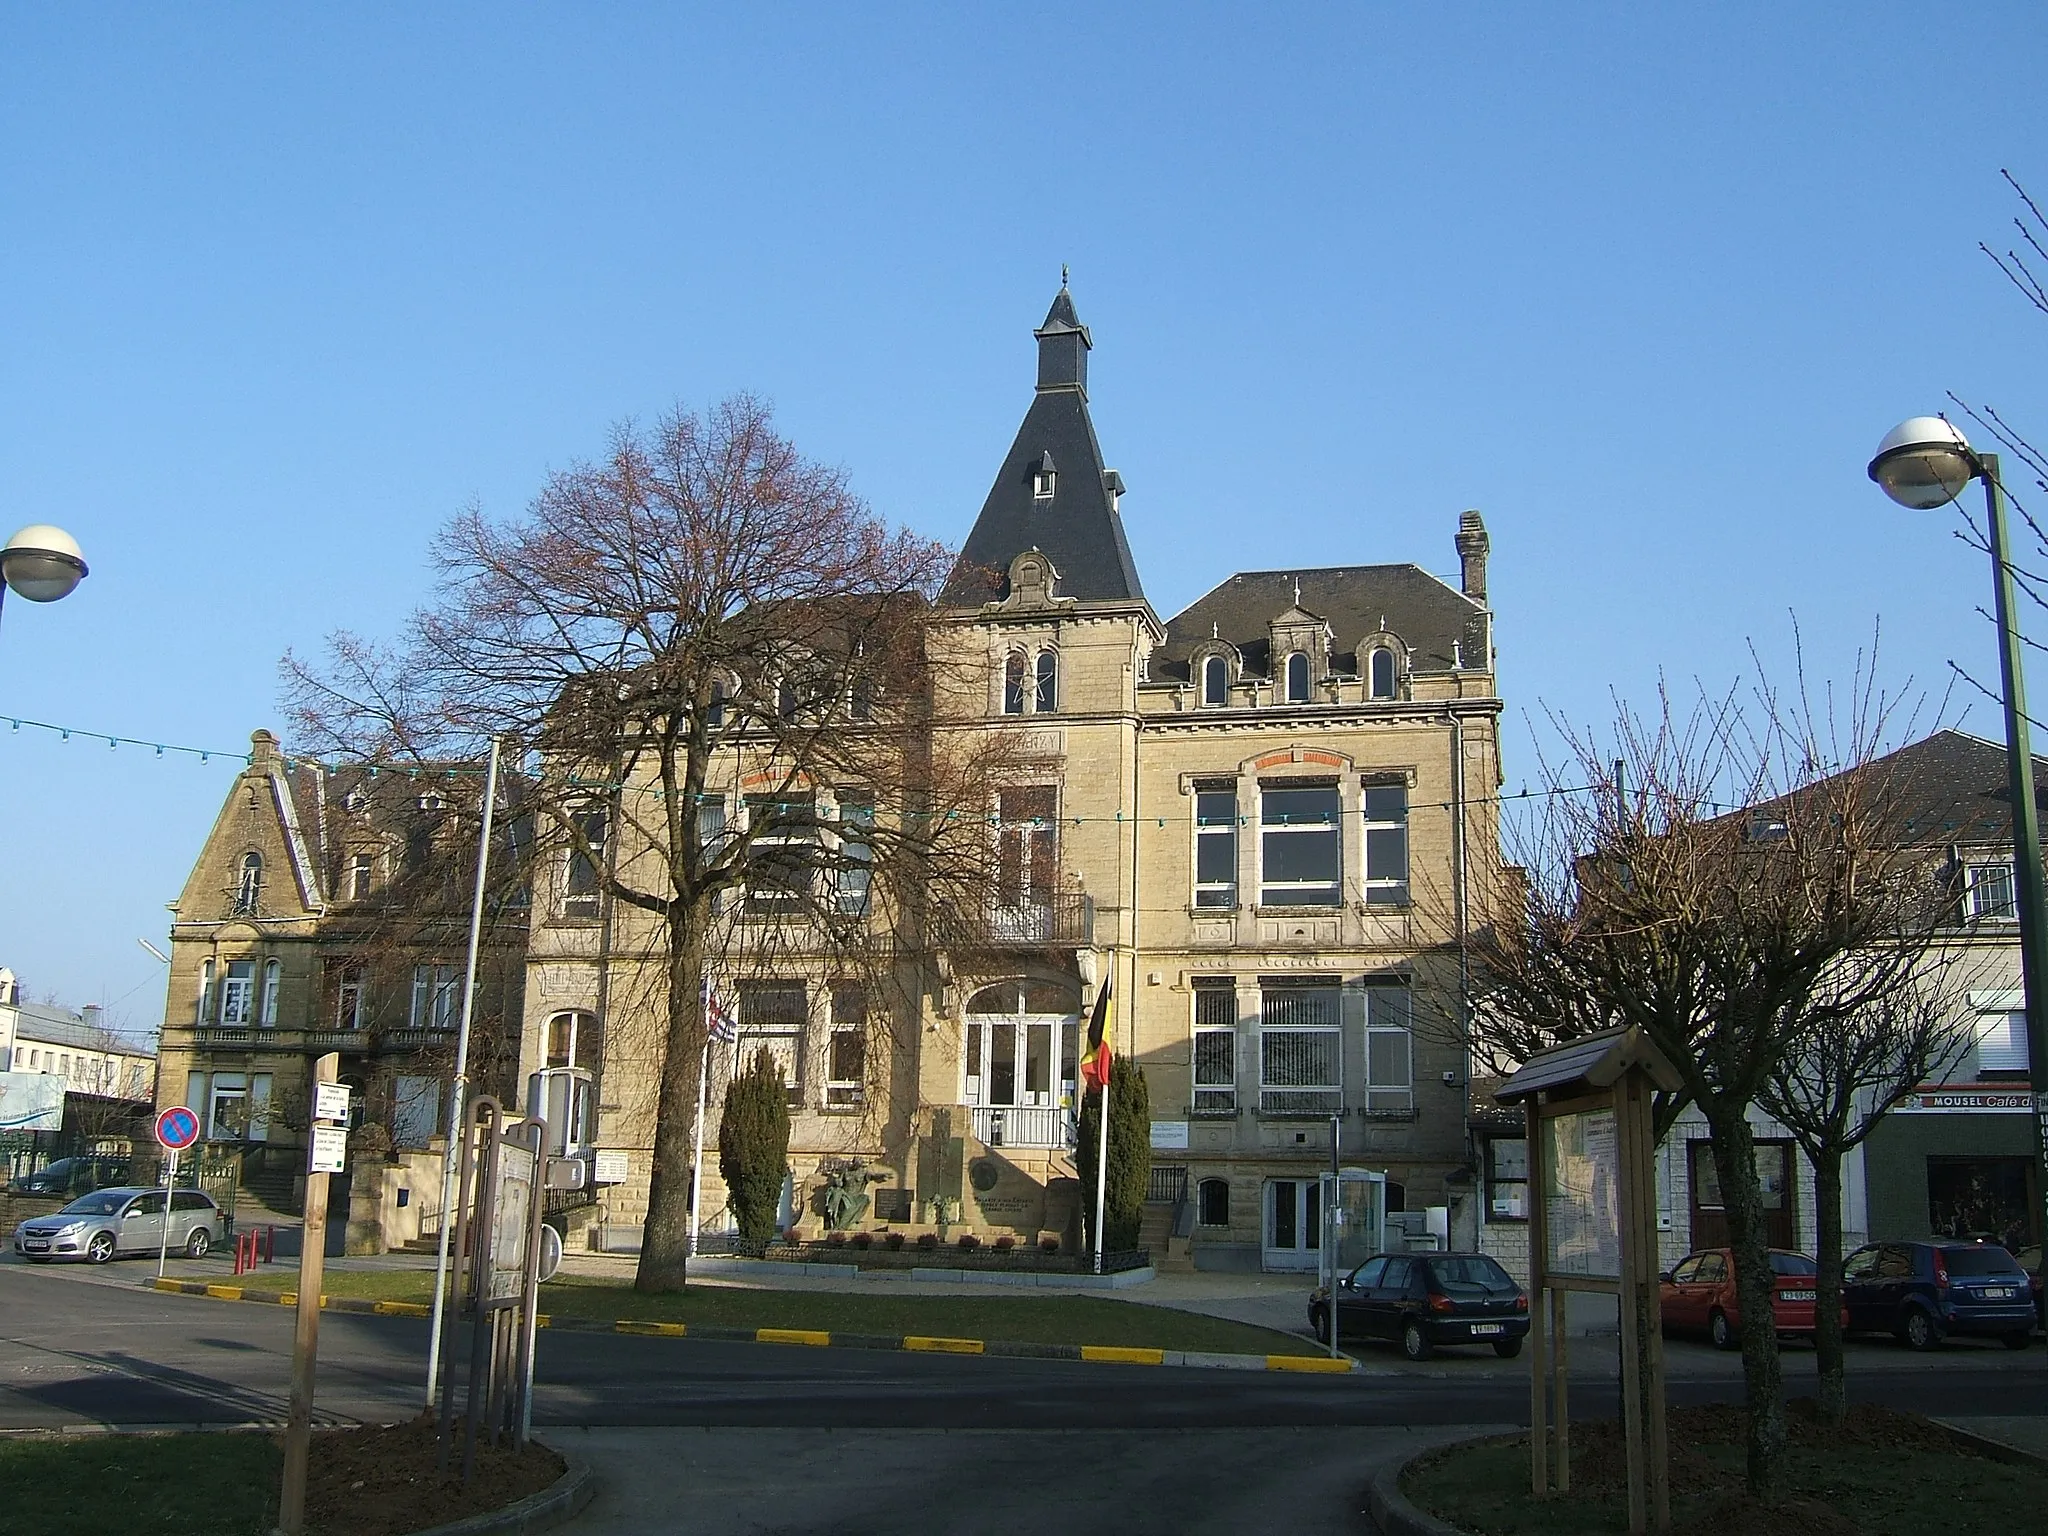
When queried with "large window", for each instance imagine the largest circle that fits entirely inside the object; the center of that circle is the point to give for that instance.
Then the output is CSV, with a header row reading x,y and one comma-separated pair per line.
x,y
1389,1050
266,1003
856,854
782,859
1215,1048
772,1018
1216,848
346,989
239,1109
436,997
1027,848
238,994
1301,1055
1215,681
1507,1178
415,1110
846,1053
1987,892
1300,846
1386,845
586,865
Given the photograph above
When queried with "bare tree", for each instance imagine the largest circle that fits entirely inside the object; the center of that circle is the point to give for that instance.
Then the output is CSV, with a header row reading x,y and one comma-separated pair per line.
x,y
704,611
1833,1087
1703,878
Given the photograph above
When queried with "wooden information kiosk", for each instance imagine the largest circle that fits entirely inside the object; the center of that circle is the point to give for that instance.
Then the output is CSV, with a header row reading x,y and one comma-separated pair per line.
x,y
1593,1227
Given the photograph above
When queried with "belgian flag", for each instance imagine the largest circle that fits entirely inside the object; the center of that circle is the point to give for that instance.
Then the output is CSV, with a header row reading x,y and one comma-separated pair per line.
x,y
1095,1064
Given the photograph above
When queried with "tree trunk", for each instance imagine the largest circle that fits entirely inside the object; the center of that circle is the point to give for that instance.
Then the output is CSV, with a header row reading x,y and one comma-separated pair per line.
x,y
1827,1304
1763,1379
665,1240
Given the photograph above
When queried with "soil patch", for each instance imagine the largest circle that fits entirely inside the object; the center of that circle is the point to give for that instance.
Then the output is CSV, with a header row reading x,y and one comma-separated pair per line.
x,y
386,1480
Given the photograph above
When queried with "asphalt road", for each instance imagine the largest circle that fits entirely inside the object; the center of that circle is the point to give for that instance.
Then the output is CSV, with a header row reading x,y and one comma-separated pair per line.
x,y
76,1348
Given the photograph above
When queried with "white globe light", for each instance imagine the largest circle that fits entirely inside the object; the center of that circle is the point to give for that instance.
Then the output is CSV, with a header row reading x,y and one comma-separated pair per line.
x,y
1923,463
42,563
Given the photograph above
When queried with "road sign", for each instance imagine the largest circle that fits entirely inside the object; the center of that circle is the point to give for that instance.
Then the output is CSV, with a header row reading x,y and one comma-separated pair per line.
x,y
328,1152
176,1128
330,1102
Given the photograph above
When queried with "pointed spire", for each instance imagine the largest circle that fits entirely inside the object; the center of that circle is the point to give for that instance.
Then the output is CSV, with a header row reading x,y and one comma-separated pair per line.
x,y
1063,345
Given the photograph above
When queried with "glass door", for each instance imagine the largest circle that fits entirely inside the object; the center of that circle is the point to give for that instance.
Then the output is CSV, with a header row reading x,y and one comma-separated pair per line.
x,y
1294,1227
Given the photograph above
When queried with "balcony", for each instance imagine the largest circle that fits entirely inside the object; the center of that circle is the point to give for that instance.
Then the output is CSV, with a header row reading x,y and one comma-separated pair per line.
x,y
1066,920
1017,1126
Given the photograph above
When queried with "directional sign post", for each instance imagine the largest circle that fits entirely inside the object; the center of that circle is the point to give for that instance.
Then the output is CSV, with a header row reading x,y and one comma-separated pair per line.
x,y
176,1129
324,1153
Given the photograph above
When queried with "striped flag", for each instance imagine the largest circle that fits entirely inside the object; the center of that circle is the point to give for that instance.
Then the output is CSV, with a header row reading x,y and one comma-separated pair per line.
x,y
1095,1064
723,1027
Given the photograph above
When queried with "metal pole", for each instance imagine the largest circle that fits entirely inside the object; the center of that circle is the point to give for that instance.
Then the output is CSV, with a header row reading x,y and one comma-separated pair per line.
x,y
1102,1166
697,1156
298,1430
170,1187
459,1086
2032,904
1331,1207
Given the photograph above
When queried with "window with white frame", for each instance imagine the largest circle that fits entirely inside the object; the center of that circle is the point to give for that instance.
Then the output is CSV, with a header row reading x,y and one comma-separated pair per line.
x,y
1301,845
436,997
238,994
1297,678
711,833
856,854
846,1052
249,883
346,988
1027,852
227,1117
1045,694
1386,844
580,886
1380,673
362,875
1216,846
772,1019
1215,681
573,1039
205,1010
1215,1046
1389,1050
266,1004
1987,892
2002,1042
1301,1049
415,1110
1507,1178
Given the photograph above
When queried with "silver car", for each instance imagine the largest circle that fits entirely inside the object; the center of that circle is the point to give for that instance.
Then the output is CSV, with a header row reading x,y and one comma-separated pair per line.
x,y
107,1222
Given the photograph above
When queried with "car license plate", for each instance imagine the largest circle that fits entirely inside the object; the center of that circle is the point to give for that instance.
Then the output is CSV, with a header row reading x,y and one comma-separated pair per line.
x,y
1480,1328
30,1245
1797,1295
1998,1293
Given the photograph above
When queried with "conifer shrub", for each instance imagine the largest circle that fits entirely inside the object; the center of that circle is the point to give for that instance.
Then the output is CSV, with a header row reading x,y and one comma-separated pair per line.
x,y
1130,1157
753,1147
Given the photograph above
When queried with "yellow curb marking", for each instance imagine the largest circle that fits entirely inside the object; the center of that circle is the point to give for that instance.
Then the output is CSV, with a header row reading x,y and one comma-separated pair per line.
x,y
165,1285
400,1309
1311,1363
943,1346
1120,1355
810,1336
659,1330
225,1292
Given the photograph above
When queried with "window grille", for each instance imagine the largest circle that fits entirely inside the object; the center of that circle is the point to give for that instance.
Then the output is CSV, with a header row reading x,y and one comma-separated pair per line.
x,y
1988,893
1300,1050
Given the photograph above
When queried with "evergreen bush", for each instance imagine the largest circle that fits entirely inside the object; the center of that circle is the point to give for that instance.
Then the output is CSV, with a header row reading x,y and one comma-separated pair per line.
x,y
753,1147
1130,1157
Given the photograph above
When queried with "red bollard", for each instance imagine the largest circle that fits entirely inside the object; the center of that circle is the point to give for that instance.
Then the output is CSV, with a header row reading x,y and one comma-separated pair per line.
x,y
270,1245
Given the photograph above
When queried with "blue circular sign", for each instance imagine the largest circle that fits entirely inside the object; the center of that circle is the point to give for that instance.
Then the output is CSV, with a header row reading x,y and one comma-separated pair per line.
x,y
177,1128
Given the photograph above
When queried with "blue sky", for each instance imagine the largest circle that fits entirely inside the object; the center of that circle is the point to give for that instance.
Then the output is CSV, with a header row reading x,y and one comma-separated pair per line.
x,y
280,290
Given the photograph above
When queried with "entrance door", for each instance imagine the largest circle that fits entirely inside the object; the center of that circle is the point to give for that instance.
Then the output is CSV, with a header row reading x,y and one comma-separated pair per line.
x,y
1774,1167
1294,1225
1018,1076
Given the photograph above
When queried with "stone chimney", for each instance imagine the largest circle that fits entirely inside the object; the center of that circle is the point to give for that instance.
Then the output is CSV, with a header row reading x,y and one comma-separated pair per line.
x,y
94,1017
1472,547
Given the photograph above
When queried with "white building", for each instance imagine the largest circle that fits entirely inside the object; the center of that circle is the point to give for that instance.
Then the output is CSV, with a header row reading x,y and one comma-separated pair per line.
x,y
78,1047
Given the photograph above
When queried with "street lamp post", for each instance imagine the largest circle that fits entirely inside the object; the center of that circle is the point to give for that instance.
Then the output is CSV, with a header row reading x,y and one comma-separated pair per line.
x,y
41,563
1925,463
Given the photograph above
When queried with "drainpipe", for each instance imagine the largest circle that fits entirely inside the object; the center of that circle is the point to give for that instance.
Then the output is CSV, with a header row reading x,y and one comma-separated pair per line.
x,y
1460,898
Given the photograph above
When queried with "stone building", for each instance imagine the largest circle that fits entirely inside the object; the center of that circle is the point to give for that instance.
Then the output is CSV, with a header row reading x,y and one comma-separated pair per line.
x,y
328,911
1261,820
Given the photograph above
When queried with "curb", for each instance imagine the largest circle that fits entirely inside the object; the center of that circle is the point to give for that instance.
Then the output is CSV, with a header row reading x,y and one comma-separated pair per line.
x,y
1993,1450
1104,1354
561,1500
1392,1514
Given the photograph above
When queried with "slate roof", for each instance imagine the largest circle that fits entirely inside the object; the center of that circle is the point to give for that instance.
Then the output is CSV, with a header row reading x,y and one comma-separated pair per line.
x,y
1436,622
1948,788
1078,527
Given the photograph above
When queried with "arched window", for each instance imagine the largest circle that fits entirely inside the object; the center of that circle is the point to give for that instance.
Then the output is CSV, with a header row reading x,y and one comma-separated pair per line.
x,y
1046,697
573,1040
249,885
1013,683
860,699
1214,1200
1382,673
205,992
1215,681
266,1005
1297,678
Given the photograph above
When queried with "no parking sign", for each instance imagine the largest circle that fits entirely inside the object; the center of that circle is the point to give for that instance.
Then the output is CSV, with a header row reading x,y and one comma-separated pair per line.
x,y
176,1128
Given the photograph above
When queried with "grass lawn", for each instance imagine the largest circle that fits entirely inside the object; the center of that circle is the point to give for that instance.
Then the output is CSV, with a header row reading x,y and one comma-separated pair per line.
x,y
1026,1319
147,1485
1878,1491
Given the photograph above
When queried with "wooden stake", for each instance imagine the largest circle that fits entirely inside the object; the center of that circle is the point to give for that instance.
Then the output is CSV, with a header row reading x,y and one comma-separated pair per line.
x,y
298,1432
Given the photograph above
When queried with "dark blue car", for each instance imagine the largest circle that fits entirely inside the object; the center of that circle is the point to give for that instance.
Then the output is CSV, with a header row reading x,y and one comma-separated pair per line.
x,y
1925,1291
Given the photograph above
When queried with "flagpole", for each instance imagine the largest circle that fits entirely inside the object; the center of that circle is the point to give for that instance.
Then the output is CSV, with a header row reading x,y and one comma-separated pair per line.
x,y
697,1157
1102,1168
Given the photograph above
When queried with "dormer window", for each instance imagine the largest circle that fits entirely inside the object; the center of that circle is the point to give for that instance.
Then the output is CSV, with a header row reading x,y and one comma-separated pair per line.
x,y
249,884
1381,673
1297,678
1215,681
1042,478
431,801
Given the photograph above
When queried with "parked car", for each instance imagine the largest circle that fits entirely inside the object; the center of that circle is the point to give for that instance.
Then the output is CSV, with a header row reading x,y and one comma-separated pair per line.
x,y
1924,1291
2029,1259
73,1176
107,1222
1698,1295
1426,1299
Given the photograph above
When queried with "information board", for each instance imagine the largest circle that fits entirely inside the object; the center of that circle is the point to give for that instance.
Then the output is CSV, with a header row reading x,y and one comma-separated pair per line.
x,y
327,1150
1582,1195
511,1215
330,1102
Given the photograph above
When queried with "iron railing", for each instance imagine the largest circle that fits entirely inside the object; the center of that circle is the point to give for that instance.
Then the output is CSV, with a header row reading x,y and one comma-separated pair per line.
x,y
1066,918
1024,1126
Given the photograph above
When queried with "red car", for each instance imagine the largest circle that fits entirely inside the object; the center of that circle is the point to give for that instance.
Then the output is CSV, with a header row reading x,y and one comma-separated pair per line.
x,y
1698,1294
